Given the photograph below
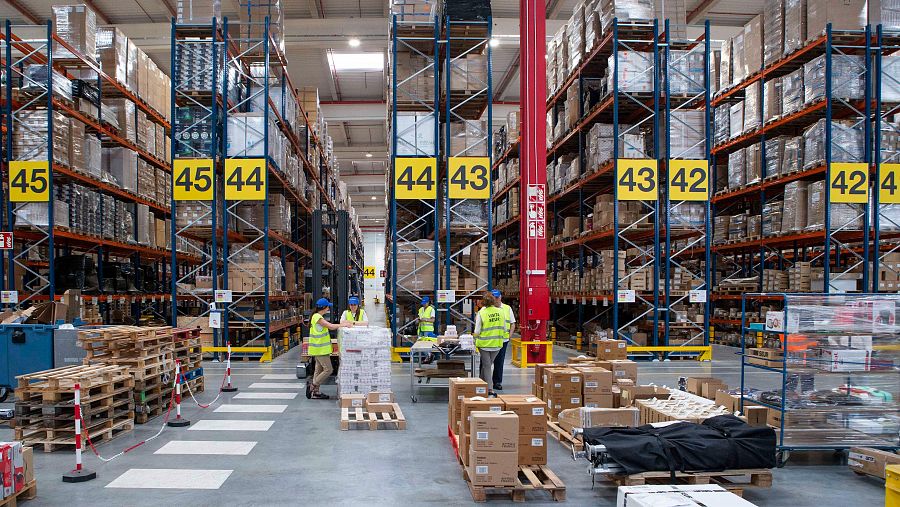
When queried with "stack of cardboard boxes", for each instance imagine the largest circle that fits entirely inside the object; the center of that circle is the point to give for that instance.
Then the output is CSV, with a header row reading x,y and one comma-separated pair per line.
x,y
16,469
493,448
584,383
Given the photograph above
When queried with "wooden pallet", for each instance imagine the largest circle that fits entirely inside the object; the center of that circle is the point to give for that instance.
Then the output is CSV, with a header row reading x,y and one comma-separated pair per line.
x,y
562,436
530,478
360,417
29,492
733,480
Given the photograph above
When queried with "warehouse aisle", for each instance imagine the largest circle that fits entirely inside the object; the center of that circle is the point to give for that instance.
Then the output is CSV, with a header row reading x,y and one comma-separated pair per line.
x,y
269,445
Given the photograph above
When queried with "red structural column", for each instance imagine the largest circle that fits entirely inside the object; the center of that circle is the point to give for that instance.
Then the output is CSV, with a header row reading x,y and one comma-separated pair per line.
x,y
534,295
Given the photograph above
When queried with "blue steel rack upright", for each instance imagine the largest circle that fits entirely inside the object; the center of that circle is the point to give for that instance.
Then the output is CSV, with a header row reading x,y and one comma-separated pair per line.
x,y
885,215
466,38
679,256
416,38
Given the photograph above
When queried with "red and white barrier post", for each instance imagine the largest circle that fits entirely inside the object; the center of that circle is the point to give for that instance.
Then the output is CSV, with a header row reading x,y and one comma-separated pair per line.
x,y
228,388
179,422
79,474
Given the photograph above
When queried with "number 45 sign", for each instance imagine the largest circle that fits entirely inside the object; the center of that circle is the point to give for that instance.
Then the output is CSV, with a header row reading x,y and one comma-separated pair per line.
x,y
28,181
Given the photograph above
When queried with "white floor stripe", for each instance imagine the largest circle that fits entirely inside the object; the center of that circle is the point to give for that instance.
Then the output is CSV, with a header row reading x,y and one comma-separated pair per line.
x,y
277,385
265,396
280,376
170,478
212,447
249,409
230,425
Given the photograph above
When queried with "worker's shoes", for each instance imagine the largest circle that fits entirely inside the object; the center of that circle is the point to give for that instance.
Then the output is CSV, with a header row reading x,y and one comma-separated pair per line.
x,y
308,390
498,387
320,396
492,394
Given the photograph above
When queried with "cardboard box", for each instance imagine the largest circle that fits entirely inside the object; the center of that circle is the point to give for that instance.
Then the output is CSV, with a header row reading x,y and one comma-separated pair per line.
x,y
494,431
379,407
623,368
464,447
842,14
598,400
477,404
709,389
871,461
705,386
612,349
353,400
533,449
28,454
589,417
596,380
539,372
532,412
493,468
12,468
380,397
563,381
460,388
683,495
756,415
729,401
632,393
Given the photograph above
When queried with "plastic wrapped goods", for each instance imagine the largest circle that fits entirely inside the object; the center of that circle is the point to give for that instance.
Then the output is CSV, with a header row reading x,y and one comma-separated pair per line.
x,y
772,102
198,11
29,137
575,37
635,72
773,36
365,360
775,155
722,125
736,123
885,13
793,218
686,72
37,214
625,10
736,169
792,92
77,26
753,45
847,78
752,109
890,143
592,32
725,66
687,135
753,163
841,14
738,63
794,25
890,82
847,143
771,218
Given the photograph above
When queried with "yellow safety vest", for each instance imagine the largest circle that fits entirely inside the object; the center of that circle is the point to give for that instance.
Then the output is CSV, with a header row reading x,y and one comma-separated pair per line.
x,y
507,314
348,315
319,337
426,312
493,328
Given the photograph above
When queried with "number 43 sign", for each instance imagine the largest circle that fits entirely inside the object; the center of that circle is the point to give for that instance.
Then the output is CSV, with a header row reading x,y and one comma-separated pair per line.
x,y
469,178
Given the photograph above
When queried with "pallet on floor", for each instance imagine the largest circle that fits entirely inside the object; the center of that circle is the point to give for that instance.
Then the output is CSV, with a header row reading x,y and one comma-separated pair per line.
x,y
29,492
562,436
531,478
732,480
358,417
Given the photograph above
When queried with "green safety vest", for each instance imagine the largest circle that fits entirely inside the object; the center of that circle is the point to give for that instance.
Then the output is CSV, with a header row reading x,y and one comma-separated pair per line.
x,y
507,314
493,328
319,337
426,312
360,316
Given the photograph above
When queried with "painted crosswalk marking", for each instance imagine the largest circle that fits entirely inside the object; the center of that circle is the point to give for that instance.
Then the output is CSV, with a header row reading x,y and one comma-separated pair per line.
x,y
277,385
170,478
265,396
230,425
208,447
279,376
250,409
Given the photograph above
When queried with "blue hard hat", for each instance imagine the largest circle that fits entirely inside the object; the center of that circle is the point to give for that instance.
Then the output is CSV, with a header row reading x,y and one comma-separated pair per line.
x,y
496,293
323,302
353,300
426,300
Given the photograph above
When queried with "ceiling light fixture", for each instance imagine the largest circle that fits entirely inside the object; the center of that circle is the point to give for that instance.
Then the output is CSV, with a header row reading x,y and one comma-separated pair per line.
x,y
494,42
368,155
354,42
374,198
358,62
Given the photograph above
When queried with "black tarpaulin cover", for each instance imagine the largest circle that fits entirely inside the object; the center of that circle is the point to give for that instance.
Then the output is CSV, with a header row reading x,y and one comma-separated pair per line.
x,y
721,443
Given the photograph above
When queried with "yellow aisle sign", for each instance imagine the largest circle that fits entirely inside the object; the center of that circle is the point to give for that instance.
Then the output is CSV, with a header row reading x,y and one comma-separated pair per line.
x,y
849,182
470,178
636,179
29,181
192,179
689,180
889,186
245,179
415,178
369,272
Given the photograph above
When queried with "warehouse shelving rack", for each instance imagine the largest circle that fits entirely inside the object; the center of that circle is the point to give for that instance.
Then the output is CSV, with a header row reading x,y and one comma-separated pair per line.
x,y
640,110
33,45
884,212
460,234
413,220
839,250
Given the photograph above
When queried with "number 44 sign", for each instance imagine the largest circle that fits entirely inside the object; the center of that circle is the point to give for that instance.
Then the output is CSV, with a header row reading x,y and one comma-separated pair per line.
x,y
245,179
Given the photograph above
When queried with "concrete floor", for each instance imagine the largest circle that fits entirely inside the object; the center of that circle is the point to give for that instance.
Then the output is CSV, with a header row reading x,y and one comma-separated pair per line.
x,y
303,457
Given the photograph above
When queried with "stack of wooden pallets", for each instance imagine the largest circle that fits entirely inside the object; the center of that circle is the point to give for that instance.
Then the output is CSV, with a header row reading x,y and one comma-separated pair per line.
x,y
45,405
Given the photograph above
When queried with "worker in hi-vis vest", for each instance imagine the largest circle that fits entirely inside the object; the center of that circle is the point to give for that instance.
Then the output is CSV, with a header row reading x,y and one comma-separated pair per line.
x,y
355,315
426,321
490,328
510,317
319,348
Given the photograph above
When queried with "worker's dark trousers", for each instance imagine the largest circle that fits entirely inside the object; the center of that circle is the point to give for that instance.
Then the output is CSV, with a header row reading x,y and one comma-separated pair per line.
x,y
498,365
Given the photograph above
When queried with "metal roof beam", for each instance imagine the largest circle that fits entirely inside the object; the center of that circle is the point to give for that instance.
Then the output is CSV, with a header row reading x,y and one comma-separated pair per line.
x,y
24,12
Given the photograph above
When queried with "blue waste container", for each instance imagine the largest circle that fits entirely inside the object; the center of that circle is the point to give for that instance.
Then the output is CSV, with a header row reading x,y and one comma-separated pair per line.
x,y
24,348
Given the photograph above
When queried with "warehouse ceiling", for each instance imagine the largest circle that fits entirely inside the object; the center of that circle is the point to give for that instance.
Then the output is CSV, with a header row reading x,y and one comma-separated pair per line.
x,y
318,40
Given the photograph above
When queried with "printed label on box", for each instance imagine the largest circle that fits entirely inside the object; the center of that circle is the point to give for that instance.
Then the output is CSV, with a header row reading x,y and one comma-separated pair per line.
x,y
575,379
481,470
591,384
496,409
537,442
537,411
356,403
481,435
384,398
479,390
575,400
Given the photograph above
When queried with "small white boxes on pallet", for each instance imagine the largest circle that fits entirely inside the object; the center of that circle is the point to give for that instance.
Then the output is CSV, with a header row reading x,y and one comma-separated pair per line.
x,y
365,360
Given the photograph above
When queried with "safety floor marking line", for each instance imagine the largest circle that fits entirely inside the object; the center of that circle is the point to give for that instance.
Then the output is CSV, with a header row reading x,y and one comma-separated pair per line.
x,y
230,425
265,396
250,409
280,376
170,478
207,447
277,385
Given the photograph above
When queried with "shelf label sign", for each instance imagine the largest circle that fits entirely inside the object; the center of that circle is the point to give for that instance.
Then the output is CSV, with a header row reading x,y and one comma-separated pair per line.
x,y
9,297
383,273
369,272
536,230
697,296
6,240
215,319
470,178
415,178
192,179
245,179
625,296
223,296
775,321
446,296
29,181
689,180
636,179
537,211
849,182
889,184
